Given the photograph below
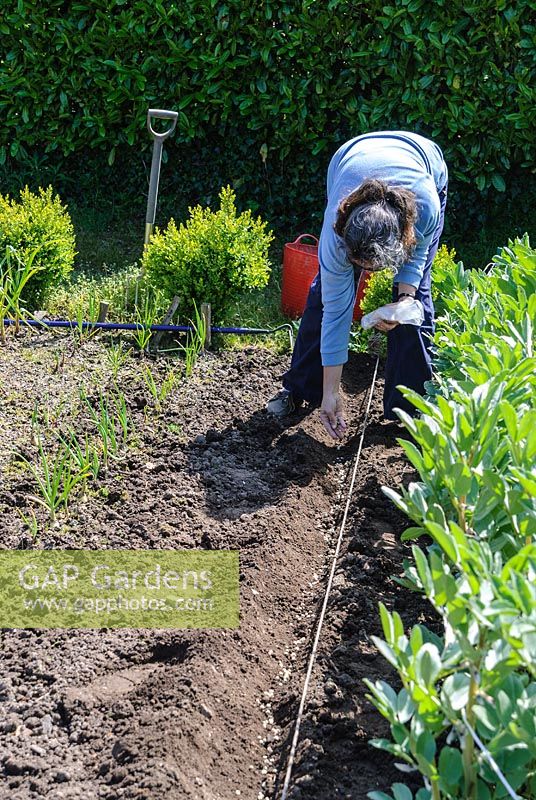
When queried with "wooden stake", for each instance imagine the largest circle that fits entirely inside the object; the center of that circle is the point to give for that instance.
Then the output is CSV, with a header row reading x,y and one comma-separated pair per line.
x,y
103,310
166,321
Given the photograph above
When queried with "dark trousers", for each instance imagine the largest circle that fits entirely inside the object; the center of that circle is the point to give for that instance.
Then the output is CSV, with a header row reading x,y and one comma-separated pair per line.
x,y
409,360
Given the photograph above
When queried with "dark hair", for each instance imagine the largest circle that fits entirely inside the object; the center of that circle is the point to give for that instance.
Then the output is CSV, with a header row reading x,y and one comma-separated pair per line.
x,y
376,222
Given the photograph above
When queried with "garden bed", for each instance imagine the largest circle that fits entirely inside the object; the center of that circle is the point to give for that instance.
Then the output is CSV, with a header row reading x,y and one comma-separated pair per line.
x,y
201,714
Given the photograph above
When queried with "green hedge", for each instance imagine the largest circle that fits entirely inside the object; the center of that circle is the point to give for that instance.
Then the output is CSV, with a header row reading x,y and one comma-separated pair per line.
x,y
270,88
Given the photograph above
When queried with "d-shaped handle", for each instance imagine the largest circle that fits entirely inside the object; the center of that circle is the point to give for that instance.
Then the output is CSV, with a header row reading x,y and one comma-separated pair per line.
x,y
158,113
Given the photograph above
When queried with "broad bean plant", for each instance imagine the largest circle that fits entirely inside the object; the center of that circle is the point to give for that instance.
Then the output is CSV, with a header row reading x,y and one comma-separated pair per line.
x,y
465,715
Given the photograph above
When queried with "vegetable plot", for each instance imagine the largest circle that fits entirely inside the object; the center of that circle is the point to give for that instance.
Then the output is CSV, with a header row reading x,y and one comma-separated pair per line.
x,y
465,717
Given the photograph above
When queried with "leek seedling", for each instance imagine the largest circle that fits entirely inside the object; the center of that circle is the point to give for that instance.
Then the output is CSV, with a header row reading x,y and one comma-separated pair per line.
x,y
86,332
105,425
79,318
93,307
122,415
150,382
82,332
34,423
5,289
168,384
105,418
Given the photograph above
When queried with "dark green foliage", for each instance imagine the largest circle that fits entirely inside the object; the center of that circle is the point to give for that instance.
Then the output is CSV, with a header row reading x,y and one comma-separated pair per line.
x,y
299,73
266,91
38,227
213,258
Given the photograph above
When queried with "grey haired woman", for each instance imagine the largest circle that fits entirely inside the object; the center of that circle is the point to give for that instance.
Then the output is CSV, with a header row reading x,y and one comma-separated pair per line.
x,y
386,199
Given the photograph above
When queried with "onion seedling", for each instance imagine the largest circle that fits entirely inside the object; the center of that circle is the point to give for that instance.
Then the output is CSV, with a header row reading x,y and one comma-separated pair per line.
x,y
14,276
85,456
56,479
195,342
160,393
116,357
146,313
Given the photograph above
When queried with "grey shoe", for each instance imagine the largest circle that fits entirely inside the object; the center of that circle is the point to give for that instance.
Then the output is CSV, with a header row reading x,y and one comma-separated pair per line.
x,y
282,404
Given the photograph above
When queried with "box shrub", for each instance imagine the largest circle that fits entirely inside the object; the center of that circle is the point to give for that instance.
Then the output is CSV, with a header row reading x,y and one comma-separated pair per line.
x,y
213,258
378,292
38,226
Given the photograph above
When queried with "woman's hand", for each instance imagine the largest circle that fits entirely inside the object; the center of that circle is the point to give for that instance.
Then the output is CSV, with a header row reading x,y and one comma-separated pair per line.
x,y
385,326
332,415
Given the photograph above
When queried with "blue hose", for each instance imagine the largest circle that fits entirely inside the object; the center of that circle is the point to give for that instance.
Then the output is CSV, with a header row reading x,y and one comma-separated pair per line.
x,y
136,326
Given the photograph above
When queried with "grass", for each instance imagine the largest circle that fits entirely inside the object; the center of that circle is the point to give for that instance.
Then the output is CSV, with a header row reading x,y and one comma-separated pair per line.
x,y
112,237
84,292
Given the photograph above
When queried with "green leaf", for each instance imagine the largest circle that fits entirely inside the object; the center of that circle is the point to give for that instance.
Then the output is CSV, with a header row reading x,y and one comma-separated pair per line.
x,y
416,639
427,81
387,623
423,794
455,690
444,539
414,455
423,570
401,792
425,746
482,790
405,707
450,766
386,651
428,664
412,533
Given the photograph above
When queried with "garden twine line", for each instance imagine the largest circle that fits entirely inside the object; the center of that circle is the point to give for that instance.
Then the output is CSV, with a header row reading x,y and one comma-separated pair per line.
x,y
312,657
487,755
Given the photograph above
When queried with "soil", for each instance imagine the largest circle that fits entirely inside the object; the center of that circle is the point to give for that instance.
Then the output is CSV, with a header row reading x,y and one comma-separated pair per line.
x,y
202,714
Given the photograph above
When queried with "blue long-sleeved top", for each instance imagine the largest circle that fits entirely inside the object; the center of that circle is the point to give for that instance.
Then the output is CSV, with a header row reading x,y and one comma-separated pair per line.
x,y
399,158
